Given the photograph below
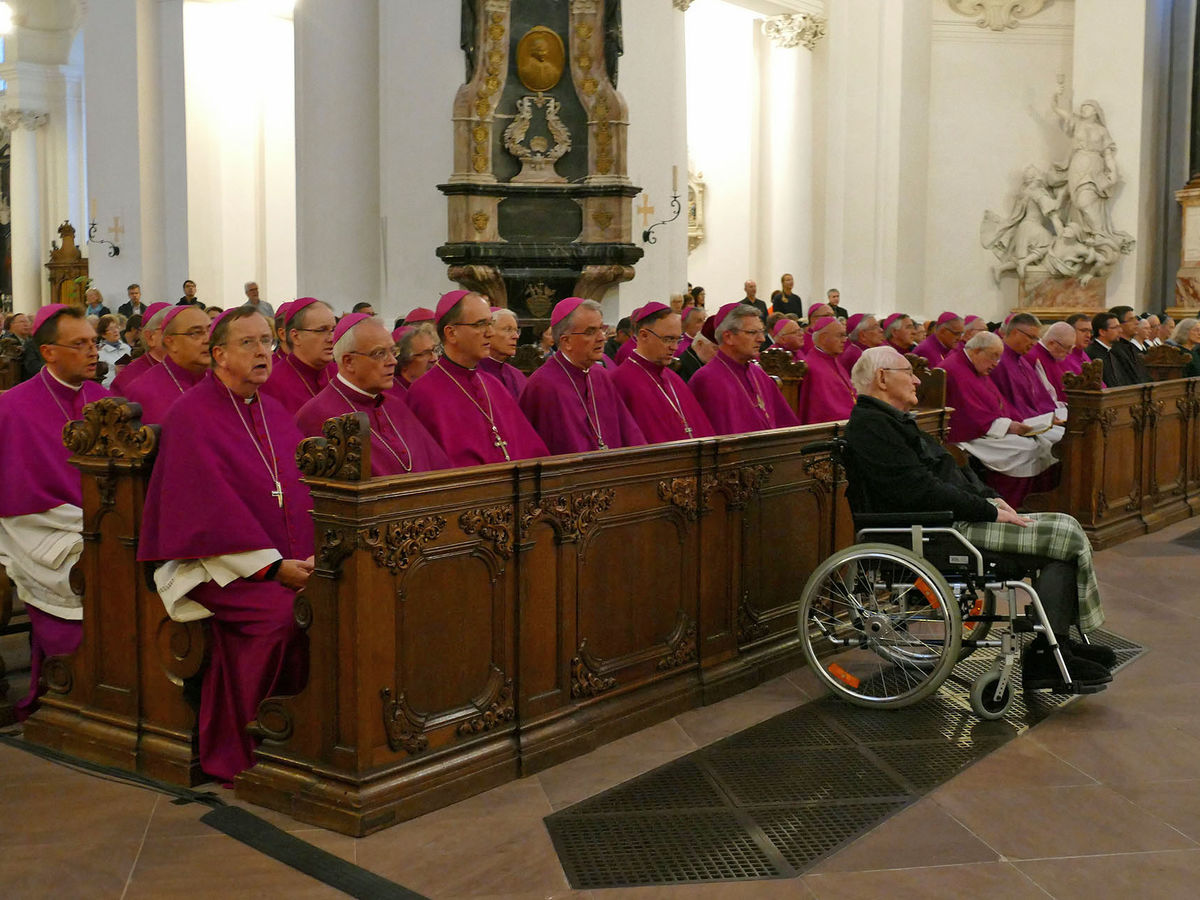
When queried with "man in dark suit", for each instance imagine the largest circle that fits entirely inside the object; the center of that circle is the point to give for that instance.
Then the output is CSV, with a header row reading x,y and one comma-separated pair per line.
x,y
751,288
134,306
1125,348
1119,369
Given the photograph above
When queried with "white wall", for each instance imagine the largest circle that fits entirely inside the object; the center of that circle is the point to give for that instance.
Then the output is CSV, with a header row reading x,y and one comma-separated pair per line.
x,y
653,81
241,209
724,140
989,118
416,148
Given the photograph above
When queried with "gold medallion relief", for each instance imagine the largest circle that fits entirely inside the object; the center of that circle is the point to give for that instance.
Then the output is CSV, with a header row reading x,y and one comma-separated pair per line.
x,y
540,59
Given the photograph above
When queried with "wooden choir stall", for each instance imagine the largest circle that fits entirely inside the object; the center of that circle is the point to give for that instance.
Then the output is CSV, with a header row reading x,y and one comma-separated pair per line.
x,y
465,627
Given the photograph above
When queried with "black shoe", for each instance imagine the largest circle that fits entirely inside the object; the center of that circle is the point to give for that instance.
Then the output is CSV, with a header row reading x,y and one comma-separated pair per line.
x,y
1039,670
1096,653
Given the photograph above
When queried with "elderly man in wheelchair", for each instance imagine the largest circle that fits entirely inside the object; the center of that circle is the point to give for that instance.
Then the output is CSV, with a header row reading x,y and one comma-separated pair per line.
x,y
884,622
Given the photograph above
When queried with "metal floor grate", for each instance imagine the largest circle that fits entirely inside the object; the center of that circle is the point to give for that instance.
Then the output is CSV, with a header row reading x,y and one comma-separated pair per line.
x,y
773,800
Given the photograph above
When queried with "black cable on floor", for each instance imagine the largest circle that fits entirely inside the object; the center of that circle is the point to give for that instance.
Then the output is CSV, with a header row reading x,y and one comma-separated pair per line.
x,y
239,824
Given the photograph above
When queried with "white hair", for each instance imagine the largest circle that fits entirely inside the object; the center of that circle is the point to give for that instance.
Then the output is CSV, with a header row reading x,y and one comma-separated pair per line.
x,y
862,324
504,311
733,320
1061,332
565,324
156,320
862,376
896,323
404,354
985,340
348,342
246,286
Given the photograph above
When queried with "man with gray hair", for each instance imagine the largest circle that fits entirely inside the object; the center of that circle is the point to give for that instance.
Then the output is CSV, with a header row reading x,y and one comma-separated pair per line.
x,y
1048,359
416,352
1013,448
366,367
894,467
693,321
1014,376
735,394
252,300
570,400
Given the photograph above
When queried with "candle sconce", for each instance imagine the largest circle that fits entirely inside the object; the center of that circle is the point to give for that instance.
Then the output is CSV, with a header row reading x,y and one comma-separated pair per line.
x,y
648,235
113,249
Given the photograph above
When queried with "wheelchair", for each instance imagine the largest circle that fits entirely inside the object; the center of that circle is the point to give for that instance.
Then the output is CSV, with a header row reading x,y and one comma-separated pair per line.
x,y
883,622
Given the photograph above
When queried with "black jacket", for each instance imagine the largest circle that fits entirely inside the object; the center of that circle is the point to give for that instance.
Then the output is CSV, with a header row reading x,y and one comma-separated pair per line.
x,y
759,305
893,466
787,303
1122,365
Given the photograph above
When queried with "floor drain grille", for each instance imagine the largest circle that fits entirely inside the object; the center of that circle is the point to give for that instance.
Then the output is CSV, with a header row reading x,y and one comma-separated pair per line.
x,y
773,800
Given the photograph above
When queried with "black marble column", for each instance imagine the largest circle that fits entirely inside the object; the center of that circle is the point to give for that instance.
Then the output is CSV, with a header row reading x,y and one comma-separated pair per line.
x,y
1194,156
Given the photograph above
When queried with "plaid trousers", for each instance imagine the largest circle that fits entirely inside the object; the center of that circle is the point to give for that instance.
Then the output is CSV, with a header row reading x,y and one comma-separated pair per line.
x,y
1052,535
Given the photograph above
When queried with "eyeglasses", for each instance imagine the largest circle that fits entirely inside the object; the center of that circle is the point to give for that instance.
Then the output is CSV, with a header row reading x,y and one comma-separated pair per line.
x,y
757,332
378,355
327,329
907,369
426,354
590,332
193,333
481,325
79,346
671,340
1032,337
251,344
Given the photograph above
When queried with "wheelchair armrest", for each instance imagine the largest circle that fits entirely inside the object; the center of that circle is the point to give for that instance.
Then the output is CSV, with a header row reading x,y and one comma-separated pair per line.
x,y
903,519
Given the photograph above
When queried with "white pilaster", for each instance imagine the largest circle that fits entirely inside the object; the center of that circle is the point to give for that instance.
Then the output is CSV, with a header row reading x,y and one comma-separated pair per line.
x,y
136,146
785,196
337,148
877,152
653,80
25,201
1110,67
415,149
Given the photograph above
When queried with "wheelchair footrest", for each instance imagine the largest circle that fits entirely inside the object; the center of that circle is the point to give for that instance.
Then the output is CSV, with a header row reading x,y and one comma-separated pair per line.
x,y
1023,625
1072,688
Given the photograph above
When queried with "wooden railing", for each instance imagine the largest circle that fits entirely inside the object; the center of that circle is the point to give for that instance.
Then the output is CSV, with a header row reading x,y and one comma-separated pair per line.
x,y
1130,457
467,626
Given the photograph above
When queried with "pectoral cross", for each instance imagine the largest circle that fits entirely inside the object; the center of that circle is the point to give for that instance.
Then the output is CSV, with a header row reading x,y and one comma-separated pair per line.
x,y
645,210
116,230
278,493
501,444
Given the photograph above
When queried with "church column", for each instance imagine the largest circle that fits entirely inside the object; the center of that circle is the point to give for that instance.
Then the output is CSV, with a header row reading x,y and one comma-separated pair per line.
x,y
786,153
338,233
1110,44
27,225
136,147
876,139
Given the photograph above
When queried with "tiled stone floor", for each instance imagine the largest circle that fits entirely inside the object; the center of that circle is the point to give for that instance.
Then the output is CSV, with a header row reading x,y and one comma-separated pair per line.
x,y
1102,800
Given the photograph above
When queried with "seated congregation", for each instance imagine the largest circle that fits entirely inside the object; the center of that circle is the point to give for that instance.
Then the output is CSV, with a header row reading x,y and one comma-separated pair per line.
x,y
227,524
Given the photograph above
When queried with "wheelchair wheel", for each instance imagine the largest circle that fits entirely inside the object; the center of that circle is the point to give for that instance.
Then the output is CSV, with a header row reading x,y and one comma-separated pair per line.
x,y
983,696
879,625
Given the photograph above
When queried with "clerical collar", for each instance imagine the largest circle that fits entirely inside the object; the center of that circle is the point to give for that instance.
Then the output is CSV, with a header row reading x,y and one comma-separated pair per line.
x,y
657,366
372,397
730,361
578,367
1104,345
71,387
459,366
